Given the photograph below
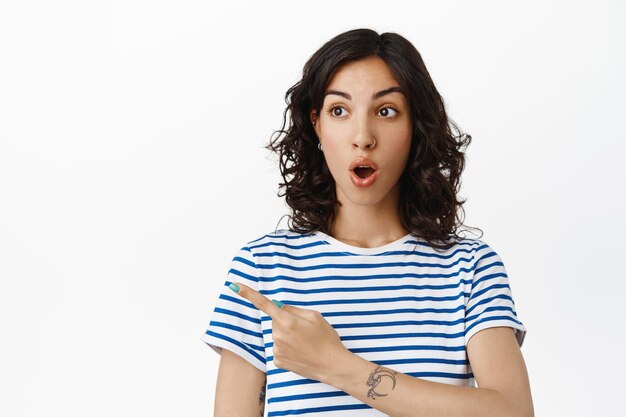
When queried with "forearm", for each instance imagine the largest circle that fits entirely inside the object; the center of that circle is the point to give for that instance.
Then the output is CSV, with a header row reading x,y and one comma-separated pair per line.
x,y
374,385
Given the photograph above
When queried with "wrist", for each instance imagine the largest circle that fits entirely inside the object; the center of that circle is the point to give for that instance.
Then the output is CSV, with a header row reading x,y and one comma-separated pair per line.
x,y
341,368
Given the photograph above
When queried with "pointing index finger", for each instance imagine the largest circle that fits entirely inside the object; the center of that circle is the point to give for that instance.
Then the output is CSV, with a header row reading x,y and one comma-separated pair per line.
x,y
259,300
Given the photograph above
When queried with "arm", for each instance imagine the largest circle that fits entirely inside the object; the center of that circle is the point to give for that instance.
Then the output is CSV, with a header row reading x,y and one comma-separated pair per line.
x,y
497,364
240,389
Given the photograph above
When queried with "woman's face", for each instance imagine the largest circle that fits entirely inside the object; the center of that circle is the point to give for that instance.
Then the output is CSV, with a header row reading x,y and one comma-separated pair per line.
x,y
352,115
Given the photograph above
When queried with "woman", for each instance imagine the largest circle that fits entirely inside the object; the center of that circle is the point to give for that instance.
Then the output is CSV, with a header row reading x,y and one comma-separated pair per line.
x,y
384,309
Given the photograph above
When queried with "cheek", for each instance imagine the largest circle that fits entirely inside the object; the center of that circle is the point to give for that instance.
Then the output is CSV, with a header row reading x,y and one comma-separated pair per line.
x,y
333,160
404,132
333,131
407,137
400,154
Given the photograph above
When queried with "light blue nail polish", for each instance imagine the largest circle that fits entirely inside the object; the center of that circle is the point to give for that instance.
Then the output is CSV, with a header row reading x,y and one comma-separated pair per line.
x,y
278,303
234,287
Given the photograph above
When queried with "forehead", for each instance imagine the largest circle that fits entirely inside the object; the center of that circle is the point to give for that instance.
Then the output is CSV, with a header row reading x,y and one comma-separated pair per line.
x,y
365,76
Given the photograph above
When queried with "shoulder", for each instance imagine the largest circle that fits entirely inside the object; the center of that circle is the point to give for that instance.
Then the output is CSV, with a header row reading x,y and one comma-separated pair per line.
x,y
477,248
279,240
485,252
467,248
469,253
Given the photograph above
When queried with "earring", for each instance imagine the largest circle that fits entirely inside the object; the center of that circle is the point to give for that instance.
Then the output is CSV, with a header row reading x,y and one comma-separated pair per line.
x,y
319,146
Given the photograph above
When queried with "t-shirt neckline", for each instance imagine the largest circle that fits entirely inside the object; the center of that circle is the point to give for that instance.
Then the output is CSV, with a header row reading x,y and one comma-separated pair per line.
x,y
396,244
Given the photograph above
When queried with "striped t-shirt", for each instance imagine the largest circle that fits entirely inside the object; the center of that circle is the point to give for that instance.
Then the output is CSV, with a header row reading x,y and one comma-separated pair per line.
x,y
403,305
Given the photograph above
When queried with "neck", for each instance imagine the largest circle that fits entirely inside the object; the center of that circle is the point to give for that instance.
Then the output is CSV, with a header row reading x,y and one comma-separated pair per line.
x,y
368,226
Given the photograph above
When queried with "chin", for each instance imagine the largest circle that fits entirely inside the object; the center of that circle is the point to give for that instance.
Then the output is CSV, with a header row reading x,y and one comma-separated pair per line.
x,y
370,196
363,198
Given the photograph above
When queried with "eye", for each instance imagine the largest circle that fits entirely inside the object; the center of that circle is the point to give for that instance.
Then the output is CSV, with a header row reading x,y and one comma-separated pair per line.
x,y
385,112
333,110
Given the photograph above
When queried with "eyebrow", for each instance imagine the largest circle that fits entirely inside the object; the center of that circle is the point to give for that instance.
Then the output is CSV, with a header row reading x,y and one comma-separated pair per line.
x,y
374,96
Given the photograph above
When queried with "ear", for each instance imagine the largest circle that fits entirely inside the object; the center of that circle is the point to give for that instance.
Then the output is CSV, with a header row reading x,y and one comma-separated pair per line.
x,y
315,122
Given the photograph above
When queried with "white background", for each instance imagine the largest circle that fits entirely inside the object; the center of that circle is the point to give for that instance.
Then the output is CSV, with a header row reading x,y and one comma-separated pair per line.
x,y
132,169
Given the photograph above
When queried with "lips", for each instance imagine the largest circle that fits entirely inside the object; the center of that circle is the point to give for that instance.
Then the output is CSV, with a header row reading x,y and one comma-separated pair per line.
x,y
364,162
363,172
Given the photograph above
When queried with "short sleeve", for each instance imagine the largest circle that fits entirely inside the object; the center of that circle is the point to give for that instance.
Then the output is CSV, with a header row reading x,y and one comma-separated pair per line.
x,y
235,322
490,301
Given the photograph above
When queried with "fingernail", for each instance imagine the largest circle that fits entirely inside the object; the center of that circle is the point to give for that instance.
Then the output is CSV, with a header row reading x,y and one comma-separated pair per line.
x,y
278,303
234,287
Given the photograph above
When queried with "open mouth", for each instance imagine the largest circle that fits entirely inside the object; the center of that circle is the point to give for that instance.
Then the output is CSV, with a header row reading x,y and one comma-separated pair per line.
x,y
363,171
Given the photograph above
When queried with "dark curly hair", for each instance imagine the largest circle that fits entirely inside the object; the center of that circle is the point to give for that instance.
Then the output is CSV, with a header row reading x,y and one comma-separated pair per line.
x,y
431,179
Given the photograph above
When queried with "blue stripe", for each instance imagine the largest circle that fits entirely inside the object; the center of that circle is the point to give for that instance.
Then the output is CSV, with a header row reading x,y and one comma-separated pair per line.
x,y
488,277
481,302
484,290
244,346
244,261
381,312
238,273
390,311
386,336
239,300
485,267
396,362
291,383
318,410
424,360
362,289
400,335
400,323
326,277
410,347
236,329
360,265
400,348
254,320
439,375
307,396
373,300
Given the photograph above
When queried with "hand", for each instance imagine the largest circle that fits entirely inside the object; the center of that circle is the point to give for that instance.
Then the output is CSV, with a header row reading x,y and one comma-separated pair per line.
x,y
304,342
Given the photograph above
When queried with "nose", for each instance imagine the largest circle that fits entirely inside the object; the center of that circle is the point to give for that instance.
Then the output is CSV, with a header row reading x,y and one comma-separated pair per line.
x,y
363,137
